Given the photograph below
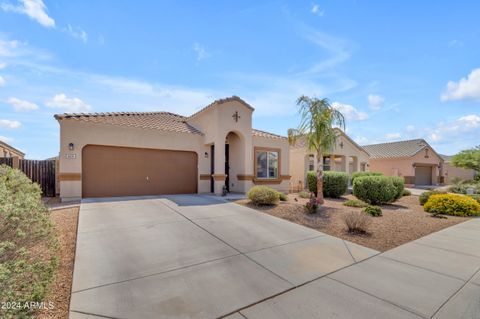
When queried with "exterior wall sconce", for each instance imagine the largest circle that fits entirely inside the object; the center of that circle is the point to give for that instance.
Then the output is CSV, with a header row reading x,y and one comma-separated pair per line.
x,y
71,146
206,155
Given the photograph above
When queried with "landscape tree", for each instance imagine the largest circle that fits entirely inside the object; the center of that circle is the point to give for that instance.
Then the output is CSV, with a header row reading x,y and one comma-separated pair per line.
x,y
468,159
318,119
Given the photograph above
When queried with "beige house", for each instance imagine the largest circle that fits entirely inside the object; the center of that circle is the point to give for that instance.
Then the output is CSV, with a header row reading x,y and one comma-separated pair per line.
x,y
149,153
452,172
414,160
347,156
10,151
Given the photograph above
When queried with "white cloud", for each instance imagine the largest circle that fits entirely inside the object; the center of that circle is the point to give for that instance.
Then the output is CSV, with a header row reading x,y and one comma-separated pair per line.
x,y
455,43
201,51
2,81
465,88
393,136
22,105
410,128
6,139
8,124
375,101
2,65
469,121
34,9
70,105
76,32
435,137
317,10
350,112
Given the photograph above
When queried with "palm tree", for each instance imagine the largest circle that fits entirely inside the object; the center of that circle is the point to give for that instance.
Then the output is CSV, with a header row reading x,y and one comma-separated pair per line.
x,y
316,126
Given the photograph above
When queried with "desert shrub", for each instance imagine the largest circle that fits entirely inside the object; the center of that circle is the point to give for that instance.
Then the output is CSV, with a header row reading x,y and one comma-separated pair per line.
x,y
263,195
312,205
399,184
375,189
423,198
475,197
282,196
406,192
335,184
357,222
461,188
355,203
312,181
304,194
374,211
452,204
28,245
361,174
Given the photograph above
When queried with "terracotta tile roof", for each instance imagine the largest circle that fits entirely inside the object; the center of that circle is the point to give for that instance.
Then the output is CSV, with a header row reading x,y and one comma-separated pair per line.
x,y
267,134
221,101
150,120
396,149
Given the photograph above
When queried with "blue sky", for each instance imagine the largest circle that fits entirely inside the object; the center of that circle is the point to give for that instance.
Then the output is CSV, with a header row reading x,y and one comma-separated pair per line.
x,y
397,69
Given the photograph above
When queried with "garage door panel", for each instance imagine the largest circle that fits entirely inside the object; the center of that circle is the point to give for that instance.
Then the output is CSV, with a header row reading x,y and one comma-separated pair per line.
x,y
423,175
122,171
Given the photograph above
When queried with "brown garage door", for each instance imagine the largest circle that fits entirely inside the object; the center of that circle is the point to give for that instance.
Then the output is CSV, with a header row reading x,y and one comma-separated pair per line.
x,y
423,175
123,171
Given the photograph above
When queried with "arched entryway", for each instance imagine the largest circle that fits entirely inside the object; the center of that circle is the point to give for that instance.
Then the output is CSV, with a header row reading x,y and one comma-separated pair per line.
x,y
234,161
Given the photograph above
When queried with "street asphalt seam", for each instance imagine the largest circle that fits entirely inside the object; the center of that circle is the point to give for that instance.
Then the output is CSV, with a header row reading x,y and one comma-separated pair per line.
x,y
456,293
94,314
424,268
155,274
223,241
384,300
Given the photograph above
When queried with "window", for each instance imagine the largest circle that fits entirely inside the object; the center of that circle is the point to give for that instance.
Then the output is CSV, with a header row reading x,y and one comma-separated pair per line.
x,y
311,163
266,164
326,163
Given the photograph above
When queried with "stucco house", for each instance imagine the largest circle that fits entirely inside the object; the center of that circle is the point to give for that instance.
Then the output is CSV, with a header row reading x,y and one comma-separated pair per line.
x,y
347,156
147,153
414,160
452,172
10,151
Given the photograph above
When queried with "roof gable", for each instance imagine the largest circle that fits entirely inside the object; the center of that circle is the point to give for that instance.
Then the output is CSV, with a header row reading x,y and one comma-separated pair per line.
x,y
219,102
406,148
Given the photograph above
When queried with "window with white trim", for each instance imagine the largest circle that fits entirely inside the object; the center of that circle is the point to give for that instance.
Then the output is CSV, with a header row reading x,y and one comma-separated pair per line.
x,y
266,164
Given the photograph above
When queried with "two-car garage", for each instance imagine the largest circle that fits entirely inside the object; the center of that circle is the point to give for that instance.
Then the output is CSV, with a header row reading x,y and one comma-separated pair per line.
x,y
109,171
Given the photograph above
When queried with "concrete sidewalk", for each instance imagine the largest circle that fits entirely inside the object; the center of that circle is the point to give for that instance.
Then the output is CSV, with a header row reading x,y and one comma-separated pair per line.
x,y
436,276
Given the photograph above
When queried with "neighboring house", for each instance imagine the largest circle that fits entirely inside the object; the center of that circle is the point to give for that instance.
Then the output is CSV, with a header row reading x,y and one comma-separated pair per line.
x,y
347,156
10,151
147,153
414,160
452,172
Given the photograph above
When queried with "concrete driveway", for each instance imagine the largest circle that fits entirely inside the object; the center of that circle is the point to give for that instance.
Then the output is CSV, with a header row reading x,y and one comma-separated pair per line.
x,y
192,256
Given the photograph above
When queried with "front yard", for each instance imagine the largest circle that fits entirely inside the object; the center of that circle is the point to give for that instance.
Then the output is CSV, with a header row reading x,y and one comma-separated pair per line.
x,y
402,221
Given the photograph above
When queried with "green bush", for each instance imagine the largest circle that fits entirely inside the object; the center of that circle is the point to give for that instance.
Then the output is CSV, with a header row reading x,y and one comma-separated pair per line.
x,y
304,194
406,192
282,196
399,184
263,195
357,222
452,204
374,211
28,245
335,184
361,174
355,203
375,189
461,188
423,198
312,182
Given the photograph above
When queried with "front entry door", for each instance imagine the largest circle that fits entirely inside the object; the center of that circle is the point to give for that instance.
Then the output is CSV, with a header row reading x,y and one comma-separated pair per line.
x,y
227,167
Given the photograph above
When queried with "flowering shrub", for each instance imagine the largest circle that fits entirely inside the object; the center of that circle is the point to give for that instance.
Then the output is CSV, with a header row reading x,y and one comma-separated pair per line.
x,y
452,204
312,205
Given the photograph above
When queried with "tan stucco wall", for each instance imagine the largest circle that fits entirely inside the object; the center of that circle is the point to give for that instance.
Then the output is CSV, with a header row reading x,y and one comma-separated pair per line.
x,y
9,152
452,172
404,166
299,159
216,123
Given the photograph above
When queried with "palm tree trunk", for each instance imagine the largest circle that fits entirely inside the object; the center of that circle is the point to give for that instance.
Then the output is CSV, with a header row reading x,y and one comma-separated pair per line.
x,y
320,177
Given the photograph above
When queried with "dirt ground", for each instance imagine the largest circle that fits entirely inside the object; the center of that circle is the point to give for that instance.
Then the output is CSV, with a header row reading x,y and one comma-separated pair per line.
x,y
402,221
65,221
